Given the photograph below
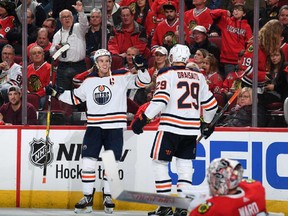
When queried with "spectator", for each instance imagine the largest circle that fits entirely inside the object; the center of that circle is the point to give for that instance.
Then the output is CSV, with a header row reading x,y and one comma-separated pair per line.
x,y
38,74
160,61
249,15
51,24
233,80
166,33
72,61
142,8
42,41
128,33
199,57
14,36
7,20
36,9
276,88
283,19
235,34
270,12
113,14
11,73
229,191
200,15
241,114
269,42
211,71
139,96
200,38
11,112
94,34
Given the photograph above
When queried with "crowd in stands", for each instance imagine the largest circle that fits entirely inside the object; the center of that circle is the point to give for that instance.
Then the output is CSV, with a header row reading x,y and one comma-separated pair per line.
x,y
219,34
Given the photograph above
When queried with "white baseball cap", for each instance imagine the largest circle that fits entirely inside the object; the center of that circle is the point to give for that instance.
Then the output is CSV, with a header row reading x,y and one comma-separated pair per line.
x,y
200,29
162,50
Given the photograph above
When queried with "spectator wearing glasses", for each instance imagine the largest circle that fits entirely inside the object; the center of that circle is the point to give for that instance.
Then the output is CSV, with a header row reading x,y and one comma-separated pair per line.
x,y
72,61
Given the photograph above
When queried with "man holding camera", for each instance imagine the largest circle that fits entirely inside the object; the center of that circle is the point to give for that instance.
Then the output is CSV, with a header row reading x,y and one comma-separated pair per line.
x,y
71,62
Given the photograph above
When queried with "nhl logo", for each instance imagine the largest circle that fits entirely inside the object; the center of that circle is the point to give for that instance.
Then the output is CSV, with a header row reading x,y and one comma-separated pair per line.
x,y
37,152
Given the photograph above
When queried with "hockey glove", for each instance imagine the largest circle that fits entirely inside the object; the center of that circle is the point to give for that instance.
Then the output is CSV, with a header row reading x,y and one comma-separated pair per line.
x,y
139,62
207,130
139,123
53,90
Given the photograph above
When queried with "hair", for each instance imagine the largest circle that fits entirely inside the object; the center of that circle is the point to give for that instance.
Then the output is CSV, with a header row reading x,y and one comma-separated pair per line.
x,y
32,14
240,6
9,47
270,36
124,8
43,29
246,89
52,20
167,63
145,11
65,10
134,48
284,7
280,65
36,46
96,10
204,52
213,62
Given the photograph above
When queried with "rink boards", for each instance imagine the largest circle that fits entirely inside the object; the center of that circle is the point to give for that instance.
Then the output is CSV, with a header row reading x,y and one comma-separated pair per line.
x,y
262,152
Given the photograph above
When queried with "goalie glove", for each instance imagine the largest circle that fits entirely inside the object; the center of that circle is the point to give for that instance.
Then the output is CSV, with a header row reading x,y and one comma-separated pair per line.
x,y
139,62
53,90
139,123
207,129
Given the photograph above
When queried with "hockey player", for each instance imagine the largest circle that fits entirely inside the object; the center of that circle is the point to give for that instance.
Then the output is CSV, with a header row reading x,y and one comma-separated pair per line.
x,y
180,96
105,95
230,194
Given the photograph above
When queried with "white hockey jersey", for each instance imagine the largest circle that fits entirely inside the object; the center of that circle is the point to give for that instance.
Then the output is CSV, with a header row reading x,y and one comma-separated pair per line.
x,y
106,103
12,76
181,96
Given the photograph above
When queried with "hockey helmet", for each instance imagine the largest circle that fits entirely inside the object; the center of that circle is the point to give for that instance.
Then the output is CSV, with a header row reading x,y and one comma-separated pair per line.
x,y
223,175
179,53
102,52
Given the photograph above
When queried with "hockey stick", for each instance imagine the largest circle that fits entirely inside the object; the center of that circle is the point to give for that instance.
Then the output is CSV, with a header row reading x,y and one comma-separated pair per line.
x,y
221,113
119,193
54,57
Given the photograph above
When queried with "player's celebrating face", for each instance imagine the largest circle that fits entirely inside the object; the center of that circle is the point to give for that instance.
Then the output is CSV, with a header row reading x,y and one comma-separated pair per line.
x,y
103,64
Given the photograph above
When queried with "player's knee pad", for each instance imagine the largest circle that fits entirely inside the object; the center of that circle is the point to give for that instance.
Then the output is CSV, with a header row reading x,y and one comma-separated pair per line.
x,y
160,169
88,164
184,171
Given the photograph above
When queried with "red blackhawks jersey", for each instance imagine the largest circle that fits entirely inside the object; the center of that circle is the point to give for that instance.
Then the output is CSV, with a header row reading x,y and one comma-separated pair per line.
x,y
247,66
192,19
215,82
106,97
180,96
38,78
6,24
248,202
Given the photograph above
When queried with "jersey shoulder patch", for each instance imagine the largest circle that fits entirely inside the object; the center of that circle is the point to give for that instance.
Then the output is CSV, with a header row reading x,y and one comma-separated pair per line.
x,y
203,208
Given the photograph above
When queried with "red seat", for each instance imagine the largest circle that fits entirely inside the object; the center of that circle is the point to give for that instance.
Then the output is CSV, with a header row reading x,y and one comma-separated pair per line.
x,y
33,99
88,62
18,59
117,62
217,41
151,61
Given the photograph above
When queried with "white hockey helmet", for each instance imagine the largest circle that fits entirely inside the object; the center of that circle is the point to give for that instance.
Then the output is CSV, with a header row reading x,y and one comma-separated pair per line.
x,y
102,52
179,53
223,175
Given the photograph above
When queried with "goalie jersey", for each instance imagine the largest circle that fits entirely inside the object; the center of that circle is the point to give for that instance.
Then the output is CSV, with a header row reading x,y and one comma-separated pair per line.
x,y
106,97
181,96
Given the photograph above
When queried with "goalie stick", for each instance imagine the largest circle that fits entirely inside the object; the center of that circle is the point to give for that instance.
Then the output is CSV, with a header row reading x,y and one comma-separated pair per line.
x,y
54,57
119,193
221,113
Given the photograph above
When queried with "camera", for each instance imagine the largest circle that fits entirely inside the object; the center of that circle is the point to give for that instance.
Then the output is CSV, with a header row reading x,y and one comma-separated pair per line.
x,y
64,54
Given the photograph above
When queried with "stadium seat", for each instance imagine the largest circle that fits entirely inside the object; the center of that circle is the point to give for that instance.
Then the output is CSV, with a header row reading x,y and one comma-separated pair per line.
x,y
33,99
78,118
88,62
56,118
18,59
117,62
217,41
151,61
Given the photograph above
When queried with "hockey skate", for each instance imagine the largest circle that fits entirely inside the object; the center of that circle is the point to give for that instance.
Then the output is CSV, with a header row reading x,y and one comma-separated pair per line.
x,y
108,204
85,204
180,212
161,211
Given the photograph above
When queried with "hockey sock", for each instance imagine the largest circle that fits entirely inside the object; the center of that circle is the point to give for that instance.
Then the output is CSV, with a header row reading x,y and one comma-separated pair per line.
x,y
184,171
88,175
163,182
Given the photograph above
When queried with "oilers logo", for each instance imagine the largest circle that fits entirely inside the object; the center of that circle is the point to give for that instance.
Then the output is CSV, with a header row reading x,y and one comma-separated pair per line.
x,y
102,95
37,152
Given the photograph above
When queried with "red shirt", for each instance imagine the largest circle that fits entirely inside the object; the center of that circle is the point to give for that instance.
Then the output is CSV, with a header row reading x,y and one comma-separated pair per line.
x,y
15,117
215,82
6,24
250,201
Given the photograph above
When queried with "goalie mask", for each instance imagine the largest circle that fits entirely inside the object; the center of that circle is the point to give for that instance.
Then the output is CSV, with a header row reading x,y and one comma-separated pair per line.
x,y
224,175
179,53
